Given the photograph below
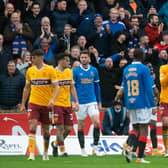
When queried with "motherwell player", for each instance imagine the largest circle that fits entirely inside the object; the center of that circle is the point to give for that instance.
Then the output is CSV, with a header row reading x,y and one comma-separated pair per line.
x,y
62,110
164,104
43,87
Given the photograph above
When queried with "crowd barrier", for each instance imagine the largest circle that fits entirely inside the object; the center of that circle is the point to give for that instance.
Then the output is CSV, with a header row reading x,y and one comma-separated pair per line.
x,y
14,137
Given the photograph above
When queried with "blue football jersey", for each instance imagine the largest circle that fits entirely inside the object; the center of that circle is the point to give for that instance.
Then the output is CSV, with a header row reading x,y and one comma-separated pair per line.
x,y
85,80
138,86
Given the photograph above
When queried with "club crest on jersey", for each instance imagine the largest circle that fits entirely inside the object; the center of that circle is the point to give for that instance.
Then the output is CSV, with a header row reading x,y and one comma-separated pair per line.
x,y
132,100
91,73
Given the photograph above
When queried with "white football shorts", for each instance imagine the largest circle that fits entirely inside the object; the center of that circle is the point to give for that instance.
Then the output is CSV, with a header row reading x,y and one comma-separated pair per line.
x,y
141,116
91,109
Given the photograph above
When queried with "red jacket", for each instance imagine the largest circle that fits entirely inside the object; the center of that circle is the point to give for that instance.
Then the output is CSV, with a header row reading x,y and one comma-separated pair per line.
x,y
153,34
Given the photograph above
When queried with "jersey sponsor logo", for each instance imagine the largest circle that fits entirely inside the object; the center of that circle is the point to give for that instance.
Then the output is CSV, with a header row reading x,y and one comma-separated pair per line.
x,y
64,82
86,81
39,82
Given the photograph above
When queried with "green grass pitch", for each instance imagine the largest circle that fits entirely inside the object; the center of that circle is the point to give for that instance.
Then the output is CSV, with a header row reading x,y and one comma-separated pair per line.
x,y
108,161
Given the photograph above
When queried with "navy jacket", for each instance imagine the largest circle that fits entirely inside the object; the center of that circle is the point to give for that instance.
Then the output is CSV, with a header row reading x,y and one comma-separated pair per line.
x,y
110,119
83,23
11,88
59,19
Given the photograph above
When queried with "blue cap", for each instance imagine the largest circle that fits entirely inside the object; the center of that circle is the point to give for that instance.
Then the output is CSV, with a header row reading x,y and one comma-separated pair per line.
x,y
97,15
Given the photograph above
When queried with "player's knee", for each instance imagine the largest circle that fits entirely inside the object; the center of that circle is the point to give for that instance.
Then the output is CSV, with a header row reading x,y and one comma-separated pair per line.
x,y
60,130
81,126
96,124
32,129
68,129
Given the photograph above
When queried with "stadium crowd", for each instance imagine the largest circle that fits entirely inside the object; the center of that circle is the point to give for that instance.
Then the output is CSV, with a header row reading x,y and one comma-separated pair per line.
x,y
109,29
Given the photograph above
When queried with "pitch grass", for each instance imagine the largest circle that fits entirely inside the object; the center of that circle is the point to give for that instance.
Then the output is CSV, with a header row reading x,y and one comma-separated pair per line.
x,y
108,161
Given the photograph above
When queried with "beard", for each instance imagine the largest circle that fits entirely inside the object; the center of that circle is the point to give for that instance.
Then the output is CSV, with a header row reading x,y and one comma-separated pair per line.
x,y
155,24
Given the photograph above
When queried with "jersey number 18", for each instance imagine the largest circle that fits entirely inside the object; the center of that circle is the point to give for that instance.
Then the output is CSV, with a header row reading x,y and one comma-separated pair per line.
x,y
133,87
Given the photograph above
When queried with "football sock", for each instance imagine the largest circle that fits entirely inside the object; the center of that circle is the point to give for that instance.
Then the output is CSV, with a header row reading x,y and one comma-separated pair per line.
x,y
46,142
153,137
132,139
165,137
32,142
96,135
135,145
81,138
61,146
56,143
141,144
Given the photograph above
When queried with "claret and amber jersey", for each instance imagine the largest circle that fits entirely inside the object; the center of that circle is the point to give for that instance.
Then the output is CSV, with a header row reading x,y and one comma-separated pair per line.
x,y
41,84
164,83
65,79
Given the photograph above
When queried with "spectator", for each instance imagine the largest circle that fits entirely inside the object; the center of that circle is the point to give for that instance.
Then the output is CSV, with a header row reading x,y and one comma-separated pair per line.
x,y
24,62
152,11
34,19
73,5
123,62
11,86
98,36
144,43
67,39
49,48
60,17
81,42
82,18
108,4
113,25
18,35
115,121
109,77
163,12
75,54
135,8
124,16
134,31
19,5
119,43
158,58
163,44
47,41
5,55
5,18
153,30
130,55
